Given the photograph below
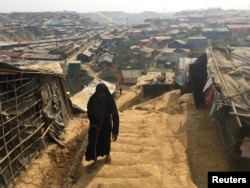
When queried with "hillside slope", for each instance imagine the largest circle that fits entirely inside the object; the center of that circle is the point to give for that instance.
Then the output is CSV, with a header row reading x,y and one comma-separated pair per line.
x,y
163,141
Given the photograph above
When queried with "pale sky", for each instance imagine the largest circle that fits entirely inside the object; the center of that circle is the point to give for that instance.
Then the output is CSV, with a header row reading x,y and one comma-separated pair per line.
x,y
128,6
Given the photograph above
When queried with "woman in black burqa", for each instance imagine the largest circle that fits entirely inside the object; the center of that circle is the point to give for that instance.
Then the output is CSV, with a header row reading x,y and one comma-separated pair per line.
x,y
104,124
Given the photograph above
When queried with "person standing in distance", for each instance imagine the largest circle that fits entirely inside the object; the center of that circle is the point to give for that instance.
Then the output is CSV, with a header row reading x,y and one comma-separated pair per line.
x,y
104,124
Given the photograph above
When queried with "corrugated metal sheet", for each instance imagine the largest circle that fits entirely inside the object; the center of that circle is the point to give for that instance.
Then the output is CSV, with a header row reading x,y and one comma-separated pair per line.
x,y
197,41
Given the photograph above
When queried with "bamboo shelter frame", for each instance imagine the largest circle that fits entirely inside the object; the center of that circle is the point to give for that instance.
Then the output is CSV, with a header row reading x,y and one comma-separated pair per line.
x,y
34,109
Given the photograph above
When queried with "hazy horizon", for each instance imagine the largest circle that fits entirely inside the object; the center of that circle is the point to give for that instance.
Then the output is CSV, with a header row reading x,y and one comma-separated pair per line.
x,y
128,6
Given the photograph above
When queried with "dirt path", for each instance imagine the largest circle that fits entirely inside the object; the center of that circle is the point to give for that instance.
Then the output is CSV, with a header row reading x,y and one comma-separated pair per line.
x,y
161,144
90,71
142,157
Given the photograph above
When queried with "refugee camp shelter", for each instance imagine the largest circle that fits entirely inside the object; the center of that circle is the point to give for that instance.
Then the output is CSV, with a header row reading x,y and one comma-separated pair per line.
x,y
34,109
131,76
85,56
105,59
154,83
221,81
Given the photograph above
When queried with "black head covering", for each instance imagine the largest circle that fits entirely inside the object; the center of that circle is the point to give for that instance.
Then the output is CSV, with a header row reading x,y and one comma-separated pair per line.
x,y
100,104
99,107
101,89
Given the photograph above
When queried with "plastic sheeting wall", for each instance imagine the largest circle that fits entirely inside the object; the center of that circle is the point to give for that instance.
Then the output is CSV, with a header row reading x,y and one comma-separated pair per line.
x,y
232,137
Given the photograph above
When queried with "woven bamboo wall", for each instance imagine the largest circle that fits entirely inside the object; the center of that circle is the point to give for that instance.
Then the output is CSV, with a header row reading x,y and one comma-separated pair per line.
x,y
33,111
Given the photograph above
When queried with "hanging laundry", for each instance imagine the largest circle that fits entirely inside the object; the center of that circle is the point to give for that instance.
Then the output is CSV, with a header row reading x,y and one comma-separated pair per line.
x,y
209,93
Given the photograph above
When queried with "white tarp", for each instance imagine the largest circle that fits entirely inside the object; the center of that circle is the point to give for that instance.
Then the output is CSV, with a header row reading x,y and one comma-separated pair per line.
x,y
43,67
80,99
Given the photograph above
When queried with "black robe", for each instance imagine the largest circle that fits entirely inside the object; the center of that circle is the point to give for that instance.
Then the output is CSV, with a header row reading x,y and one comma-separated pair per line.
x,y
99,142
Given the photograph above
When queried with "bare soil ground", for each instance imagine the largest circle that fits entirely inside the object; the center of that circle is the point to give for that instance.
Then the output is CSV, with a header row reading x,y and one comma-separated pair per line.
x,y
163,142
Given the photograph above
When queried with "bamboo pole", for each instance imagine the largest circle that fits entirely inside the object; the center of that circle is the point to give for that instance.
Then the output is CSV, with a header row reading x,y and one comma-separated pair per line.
x,y
223,82
237,94
240,114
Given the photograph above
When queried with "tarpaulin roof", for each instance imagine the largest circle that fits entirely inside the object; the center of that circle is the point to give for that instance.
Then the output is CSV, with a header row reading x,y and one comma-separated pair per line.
x,y
156,78
41,67
231,71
